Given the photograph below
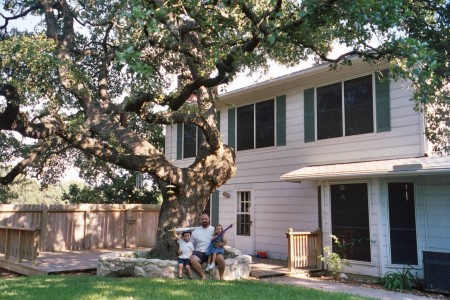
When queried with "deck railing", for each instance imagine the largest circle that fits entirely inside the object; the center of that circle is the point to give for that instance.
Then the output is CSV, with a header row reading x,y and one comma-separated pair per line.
x,y
19,244
304,249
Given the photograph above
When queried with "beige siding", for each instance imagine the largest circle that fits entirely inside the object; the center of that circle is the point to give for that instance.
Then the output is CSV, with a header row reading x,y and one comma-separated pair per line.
x,y
280,205
438,213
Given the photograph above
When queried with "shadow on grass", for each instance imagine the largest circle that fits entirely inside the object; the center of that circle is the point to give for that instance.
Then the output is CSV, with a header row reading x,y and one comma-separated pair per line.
x,y
93,288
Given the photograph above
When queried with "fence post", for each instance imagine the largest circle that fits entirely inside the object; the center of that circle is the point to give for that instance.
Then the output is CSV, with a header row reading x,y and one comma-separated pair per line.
x,y
44,222
319,248
87,227
290,250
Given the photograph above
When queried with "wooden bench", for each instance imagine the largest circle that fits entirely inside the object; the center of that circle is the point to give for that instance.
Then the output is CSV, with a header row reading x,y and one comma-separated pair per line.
x,y
18,244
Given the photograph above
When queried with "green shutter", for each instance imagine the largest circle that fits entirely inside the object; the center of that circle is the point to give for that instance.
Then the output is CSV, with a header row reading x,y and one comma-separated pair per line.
x,y
281,120
231,127
308,117
179,141
382,90
215,208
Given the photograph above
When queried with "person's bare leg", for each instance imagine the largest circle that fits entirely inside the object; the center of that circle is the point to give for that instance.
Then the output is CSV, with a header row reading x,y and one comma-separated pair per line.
x,y
195,262
210,260
220,262
213,258
188,271
180,270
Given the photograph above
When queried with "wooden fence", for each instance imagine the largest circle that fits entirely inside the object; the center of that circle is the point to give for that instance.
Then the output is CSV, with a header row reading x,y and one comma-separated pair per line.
x,y
86,226
304,249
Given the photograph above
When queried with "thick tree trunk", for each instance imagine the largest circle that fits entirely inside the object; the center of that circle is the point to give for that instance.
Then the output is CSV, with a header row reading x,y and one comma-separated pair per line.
x,y
177,213
184,208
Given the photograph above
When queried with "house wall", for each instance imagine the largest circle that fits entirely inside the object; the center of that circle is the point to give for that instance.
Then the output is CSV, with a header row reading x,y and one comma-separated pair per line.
x,y
280,205
432,196
437,213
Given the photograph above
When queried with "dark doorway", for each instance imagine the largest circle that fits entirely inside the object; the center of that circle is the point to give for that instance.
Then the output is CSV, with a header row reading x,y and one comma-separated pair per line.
x,y
350,221
402,223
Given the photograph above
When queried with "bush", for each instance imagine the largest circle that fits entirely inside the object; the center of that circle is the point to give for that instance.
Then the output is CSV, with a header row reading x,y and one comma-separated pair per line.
x,y
400,280
332,260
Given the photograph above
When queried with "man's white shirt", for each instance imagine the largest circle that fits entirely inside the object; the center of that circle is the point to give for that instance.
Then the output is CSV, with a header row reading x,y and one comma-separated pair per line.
x,y
201,238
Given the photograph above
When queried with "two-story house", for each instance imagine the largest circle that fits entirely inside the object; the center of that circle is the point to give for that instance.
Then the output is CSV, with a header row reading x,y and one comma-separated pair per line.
x,y
342,151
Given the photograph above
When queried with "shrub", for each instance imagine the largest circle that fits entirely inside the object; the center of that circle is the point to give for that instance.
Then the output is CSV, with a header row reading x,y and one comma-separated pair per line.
x,y
400,280
332,260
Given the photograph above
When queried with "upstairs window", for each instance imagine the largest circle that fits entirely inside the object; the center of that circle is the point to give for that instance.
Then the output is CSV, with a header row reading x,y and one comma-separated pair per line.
x,y
345,108
190,139
256,125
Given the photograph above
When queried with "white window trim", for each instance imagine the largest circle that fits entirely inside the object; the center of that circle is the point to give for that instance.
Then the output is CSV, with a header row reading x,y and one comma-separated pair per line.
x,y
274,99
341,81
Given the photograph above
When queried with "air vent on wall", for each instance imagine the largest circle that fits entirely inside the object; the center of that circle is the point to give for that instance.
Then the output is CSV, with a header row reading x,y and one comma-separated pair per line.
x,y
436,271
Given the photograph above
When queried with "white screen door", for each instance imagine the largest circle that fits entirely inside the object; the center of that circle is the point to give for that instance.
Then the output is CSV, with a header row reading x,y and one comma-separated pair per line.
x,y
244,228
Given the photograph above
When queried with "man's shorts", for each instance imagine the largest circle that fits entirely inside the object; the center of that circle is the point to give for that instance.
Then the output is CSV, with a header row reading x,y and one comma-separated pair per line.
x,y
184,261
202,255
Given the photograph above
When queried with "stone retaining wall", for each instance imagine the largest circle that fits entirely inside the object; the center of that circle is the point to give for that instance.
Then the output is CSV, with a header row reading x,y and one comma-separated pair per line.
x,y
133,264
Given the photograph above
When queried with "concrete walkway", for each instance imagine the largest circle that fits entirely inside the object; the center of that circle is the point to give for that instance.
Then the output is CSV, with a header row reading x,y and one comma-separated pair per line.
x,y
275,271
332,286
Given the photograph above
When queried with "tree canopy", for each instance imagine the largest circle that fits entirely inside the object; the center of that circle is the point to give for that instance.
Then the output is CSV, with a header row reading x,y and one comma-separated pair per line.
x,y
86,79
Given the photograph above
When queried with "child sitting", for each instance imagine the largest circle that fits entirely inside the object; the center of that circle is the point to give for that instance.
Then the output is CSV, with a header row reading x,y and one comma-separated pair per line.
x,y
184,253
212,251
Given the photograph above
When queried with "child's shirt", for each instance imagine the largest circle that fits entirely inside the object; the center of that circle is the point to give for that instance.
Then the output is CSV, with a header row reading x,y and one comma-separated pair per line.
x,y
186,249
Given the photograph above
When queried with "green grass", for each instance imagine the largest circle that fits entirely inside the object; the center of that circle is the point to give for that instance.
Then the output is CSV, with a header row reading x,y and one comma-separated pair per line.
x,y
94,288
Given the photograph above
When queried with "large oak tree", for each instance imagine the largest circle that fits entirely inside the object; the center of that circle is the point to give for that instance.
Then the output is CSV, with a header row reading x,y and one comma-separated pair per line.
x,y
84,78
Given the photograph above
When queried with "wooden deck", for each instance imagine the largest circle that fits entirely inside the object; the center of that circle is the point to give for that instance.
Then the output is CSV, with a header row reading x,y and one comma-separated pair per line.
x,y
59,262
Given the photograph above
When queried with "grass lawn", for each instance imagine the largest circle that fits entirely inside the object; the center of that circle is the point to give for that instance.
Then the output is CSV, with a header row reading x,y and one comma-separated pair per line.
x,y
94,287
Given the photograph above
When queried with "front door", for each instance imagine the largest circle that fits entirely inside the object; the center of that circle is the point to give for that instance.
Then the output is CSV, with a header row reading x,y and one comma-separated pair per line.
x,y
244,224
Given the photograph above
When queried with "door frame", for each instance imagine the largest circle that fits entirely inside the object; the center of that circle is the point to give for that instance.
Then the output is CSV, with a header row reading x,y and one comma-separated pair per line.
x,y
248,241
416,186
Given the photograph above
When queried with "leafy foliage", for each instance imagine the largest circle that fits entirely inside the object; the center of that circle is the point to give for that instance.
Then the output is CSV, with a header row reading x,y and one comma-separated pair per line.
x,y
29,191
401,280
117,192
332,259
97,81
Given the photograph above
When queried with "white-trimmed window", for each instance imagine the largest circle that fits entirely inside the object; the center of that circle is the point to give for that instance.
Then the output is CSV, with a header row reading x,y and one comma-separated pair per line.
x,y
350,107
345,108
258,125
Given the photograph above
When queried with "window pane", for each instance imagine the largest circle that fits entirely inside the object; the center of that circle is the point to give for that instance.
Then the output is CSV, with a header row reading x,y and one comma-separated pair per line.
x,y
358,99
350,221
329,111
243,225
402,223
265,125
245,122
189,140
